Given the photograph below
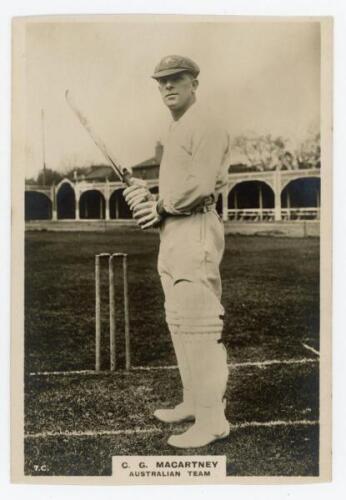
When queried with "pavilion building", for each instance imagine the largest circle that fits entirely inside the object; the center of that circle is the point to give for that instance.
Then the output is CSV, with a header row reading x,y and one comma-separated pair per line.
x,y
250,195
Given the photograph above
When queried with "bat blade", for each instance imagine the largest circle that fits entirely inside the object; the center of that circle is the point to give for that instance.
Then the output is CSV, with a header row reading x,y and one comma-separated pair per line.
x,y
121,171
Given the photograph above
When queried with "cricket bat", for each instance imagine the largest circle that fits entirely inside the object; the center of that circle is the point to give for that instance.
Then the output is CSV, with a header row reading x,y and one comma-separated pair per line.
x,y
122,172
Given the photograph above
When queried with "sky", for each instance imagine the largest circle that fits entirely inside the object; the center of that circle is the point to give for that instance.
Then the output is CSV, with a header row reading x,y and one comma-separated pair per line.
x,y
261,77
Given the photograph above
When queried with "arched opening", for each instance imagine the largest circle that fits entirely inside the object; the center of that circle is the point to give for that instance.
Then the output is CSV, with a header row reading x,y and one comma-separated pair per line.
x,y
92,205
66,202
118,208
37,206
300,199
252,201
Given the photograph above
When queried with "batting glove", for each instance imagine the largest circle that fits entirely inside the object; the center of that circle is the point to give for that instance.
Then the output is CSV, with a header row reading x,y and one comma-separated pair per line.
x,y
146,214
137,193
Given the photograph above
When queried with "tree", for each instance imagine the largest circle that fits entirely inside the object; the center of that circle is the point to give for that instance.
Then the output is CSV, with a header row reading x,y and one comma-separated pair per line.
x,y
48,178
261,151
30,182
309,151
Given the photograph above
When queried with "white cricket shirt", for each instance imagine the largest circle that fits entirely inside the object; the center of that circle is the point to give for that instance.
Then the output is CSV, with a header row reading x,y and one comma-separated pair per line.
x,y
195,161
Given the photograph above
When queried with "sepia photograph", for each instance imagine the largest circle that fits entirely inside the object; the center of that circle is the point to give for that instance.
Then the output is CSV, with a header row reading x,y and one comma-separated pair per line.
x,y
172,222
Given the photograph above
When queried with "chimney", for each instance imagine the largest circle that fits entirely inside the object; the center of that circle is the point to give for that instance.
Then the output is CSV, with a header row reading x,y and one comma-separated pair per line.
x,y
158,151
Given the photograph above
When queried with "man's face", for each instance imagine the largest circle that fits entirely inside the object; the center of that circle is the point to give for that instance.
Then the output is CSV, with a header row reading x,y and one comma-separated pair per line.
x,y
177,91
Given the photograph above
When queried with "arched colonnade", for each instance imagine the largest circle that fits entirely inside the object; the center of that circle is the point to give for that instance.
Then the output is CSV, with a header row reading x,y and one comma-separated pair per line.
x,y
255,196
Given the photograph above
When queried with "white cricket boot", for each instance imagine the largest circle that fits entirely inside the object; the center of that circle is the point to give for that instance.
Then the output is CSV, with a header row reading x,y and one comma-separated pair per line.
x,y
211,425
184,411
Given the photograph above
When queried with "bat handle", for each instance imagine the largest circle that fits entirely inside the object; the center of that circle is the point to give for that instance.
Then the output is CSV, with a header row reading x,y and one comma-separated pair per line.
x,y
127,178
130,181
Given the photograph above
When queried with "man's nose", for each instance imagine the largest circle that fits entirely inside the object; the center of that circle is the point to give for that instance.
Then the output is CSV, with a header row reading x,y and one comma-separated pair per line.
x,y
169,84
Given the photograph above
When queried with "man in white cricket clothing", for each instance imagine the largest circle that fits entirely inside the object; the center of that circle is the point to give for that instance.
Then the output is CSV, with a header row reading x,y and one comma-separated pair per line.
x,y
193,170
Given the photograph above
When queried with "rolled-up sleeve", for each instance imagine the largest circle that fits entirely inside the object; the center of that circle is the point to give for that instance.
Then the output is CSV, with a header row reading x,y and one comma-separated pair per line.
x,y
209,148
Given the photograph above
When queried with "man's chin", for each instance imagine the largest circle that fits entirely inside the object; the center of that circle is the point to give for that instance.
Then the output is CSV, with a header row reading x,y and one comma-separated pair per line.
x,y
172,106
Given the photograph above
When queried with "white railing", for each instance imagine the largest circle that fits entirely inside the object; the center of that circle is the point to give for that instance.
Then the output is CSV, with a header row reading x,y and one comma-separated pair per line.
x,y
304,213
251,214
268,214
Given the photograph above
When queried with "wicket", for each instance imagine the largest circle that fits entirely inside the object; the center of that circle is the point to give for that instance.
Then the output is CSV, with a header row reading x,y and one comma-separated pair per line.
x,y
112,312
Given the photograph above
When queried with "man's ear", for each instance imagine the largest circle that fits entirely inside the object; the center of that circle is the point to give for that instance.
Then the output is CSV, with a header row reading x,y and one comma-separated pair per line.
x,y
195,84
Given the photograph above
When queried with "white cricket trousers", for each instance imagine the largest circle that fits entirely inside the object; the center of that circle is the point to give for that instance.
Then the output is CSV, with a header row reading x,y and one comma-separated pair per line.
x,y
191,250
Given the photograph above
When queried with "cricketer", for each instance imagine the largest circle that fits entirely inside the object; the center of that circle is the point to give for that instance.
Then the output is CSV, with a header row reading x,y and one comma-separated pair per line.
x,y
193,170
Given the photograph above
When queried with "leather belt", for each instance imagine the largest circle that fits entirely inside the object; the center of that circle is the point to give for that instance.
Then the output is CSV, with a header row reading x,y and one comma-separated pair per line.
x,y
206,206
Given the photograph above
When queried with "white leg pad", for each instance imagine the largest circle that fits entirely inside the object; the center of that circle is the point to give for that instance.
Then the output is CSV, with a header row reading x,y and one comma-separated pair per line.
x,y
186,409
208,364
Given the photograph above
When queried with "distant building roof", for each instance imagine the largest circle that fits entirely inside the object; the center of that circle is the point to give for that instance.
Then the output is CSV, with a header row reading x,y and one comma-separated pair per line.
x,y
152,162
239,163
155,160
100,172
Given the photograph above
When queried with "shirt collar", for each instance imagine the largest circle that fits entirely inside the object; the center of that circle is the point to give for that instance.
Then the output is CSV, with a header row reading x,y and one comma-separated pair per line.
x,y
188,114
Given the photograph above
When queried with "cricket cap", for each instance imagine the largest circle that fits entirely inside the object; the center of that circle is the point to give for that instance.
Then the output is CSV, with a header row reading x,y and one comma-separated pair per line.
x,y
170,65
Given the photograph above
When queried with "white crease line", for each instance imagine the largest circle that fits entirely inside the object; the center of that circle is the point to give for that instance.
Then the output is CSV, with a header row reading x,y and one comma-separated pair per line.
x,y
156,430
45,434
153,368
174,367
311,349
275,423
240,365
69,372
270,362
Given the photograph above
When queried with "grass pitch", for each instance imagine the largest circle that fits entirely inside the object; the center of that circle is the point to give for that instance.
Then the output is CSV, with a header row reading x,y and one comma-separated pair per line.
x,y
271,297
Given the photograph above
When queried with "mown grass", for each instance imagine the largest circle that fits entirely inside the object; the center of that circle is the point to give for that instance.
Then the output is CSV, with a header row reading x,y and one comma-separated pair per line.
x,y
271,297
270,293
125,401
